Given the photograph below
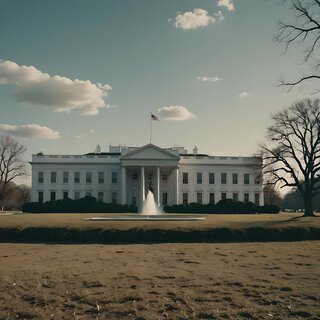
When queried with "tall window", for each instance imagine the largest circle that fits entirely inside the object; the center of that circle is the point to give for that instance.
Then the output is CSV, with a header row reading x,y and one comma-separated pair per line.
x,y
53,177
88,193
164,199
88,177
65,195
164,178
199,177
246,197
199,197
134,198
134,177
185,198
76,195
114,177
40,177
113,197
40,196
223,178
211,178
101,177
246,178
223,195
211,198
234,178
52,196
65,177
235,196
185,177
100,196
77,177
257,198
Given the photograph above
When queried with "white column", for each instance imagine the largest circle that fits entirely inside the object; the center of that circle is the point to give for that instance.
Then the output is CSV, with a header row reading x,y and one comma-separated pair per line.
x,y
143,191
158,186
177,186
124,185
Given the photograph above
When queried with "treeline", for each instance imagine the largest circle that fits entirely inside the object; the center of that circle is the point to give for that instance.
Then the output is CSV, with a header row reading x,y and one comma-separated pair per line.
x,y
14,196
223,206
83,205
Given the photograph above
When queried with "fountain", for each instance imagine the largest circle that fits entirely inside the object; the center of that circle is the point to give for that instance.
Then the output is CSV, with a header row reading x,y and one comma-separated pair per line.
x,y
149,206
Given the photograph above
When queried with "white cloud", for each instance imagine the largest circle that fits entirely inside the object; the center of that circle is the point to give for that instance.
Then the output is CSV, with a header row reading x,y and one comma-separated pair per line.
x,y
198,18
175,113
33,87
33,131
244,94
226,3
206,79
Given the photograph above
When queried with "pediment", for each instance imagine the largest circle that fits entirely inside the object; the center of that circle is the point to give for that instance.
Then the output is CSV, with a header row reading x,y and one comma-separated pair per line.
x,y
150,152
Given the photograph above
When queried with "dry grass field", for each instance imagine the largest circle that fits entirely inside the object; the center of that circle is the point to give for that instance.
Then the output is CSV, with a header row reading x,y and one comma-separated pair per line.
x,y
161,281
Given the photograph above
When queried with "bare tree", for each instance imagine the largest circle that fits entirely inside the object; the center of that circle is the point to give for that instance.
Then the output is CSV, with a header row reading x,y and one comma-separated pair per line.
x,y
303,30
11,162
292,152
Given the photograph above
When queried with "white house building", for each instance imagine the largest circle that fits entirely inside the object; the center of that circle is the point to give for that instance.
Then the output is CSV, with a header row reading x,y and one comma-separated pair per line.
x,y
125,174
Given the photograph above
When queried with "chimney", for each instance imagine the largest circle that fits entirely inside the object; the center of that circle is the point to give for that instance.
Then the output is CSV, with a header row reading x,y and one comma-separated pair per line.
x,y
195,150
98,149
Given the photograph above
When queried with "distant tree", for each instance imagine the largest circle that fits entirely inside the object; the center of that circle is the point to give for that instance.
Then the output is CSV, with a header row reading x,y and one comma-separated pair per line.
x,y
271,195
12,164
302,30
292,151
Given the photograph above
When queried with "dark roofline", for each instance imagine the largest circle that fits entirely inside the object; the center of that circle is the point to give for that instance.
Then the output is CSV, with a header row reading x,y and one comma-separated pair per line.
x,y
103,154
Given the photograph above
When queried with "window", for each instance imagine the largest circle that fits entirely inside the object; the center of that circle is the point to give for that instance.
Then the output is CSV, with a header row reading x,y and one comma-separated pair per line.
x,y
134,199
211,198
52,196
199,177
113,197
199,197
101,177
257,179
234,178
134,176
76,195
246,197
235,196
164,178
40,196
164,199
114,177
185,177
257,198
65,177
65,195
223,178
211,178
88,193
77,177
53,177
100,196
40,177
246,178
223,196
88,177
185,198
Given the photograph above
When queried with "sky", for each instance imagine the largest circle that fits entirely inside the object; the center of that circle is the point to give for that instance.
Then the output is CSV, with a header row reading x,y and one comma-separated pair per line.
x,y
77,73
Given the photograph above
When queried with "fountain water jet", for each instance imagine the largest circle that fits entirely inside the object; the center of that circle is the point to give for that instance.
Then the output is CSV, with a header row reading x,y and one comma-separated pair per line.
x,y
150,207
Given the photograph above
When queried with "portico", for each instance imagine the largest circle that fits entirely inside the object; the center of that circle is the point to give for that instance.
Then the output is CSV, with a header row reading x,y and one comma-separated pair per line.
x,y
149,168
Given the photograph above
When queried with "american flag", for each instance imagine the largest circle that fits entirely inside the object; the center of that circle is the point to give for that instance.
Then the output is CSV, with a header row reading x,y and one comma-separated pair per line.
x,y
153,117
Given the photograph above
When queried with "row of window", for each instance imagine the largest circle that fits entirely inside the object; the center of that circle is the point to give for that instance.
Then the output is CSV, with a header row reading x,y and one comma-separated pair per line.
x,y
223,178
223,196
77,177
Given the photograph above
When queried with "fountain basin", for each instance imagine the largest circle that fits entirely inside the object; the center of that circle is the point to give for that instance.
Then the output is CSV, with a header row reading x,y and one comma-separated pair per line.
x,y
153,217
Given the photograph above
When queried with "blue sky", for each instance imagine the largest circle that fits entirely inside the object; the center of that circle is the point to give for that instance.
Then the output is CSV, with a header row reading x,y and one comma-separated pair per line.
x,y
209,72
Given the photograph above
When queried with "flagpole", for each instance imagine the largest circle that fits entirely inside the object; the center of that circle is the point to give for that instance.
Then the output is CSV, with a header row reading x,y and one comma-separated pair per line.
x,y
150,128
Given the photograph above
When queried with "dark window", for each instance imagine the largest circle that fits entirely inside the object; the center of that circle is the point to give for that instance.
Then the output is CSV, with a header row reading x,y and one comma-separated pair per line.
x,y
185,177
65,194
199,197
246,197
77,177
199,178
257,198
114,177
134,176
52,196
76,195
246,178
65,177
40,177
101,177
234,178
164,199
211,178
185,198
223,196
134,199
211,198
164,178
88,193
53,177
40,196
100,196
113,197
88,177
223,178
235,196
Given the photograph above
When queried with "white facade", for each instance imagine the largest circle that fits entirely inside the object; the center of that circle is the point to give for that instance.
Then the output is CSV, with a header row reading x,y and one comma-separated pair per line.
x,y
125,174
